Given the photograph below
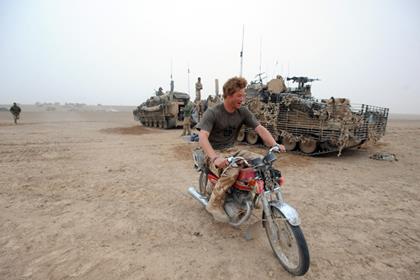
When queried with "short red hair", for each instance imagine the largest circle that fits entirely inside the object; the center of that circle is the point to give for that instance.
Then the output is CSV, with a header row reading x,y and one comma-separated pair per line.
x,y
233,85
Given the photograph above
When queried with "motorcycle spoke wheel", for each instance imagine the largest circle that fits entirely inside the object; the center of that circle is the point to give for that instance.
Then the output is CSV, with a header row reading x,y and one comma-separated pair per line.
x,y
288,244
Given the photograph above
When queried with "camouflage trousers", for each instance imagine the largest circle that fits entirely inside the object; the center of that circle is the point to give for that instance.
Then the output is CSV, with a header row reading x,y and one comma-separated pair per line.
x,y
15,117
228,175
186,126
199,109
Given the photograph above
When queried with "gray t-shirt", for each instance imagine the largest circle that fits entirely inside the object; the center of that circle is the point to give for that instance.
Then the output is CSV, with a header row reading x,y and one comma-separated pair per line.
x,y
224,126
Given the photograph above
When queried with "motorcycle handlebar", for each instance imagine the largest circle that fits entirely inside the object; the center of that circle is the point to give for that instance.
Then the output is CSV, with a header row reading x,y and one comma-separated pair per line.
x,y
233,160
275,149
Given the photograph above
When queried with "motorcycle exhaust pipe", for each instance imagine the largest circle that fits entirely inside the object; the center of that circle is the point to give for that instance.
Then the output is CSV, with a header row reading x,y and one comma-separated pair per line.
x,y
201,198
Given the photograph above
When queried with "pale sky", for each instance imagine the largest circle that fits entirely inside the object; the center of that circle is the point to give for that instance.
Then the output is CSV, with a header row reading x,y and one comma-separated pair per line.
x,y
119,52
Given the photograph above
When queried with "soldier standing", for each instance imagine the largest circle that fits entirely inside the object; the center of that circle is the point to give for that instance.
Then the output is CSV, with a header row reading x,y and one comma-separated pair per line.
x,y
159,92
187,118
198,88
15,110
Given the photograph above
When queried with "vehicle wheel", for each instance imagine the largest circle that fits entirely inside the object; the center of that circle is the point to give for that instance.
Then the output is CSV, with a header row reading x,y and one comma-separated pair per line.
x,y
288,243
308,146
251,137
202,183
289,144
241,135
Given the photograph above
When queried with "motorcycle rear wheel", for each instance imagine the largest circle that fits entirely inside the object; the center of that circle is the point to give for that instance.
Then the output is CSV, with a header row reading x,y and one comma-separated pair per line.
x,y
288,244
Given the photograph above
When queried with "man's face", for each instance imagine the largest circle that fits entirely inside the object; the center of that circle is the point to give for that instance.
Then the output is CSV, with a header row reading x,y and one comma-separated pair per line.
x,y
236,99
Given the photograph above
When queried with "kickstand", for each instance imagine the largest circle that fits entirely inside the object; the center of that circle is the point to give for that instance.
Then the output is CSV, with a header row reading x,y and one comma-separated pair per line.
x,y
250,228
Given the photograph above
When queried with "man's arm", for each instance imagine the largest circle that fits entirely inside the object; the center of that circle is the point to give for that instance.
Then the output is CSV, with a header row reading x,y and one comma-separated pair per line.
x,y
267,137
203,140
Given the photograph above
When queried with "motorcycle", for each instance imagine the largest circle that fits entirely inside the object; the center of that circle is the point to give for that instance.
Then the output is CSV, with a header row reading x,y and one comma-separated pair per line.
x,y
259,184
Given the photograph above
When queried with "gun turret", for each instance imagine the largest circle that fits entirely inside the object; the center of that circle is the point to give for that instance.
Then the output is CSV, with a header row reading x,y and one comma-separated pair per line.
x,y
301,80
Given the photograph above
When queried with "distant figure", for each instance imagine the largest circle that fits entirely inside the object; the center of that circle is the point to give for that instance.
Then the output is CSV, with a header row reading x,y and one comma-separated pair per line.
x,y
188,109
15,110
212,101
197,101
198,88
159,92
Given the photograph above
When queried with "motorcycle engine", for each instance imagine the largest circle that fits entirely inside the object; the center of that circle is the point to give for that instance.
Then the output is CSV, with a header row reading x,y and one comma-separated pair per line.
x,y
233,209
235,203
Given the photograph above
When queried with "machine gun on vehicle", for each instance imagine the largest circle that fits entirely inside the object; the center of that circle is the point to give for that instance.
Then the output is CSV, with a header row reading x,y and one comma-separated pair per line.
x,y
302,89
302,81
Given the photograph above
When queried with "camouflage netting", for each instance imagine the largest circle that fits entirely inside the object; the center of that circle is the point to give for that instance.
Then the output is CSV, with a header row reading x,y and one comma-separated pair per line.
x,y
296,119
266,113
384,156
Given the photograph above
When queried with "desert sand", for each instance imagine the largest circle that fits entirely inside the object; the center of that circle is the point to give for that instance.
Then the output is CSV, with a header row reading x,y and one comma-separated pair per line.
x,y
93,195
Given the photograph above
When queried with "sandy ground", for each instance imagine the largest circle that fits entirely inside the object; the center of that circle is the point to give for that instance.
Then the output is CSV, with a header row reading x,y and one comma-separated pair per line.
x,y
92,195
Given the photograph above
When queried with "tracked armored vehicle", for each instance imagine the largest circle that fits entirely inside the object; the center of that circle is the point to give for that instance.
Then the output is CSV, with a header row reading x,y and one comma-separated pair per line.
x,y
305,124
164,110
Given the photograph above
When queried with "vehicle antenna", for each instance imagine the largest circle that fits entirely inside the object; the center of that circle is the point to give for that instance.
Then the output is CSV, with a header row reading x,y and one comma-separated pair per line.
x,y
242,50
188,71
172,85
260,53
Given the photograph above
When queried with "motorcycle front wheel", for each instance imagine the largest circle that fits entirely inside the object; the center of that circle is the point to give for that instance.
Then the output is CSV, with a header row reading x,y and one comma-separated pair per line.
x,y
288,243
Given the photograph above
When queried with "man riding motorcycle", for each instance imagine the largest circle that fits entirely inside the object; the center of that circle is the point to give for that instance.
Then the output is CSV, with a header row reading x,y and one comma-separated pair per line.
x,y
219,128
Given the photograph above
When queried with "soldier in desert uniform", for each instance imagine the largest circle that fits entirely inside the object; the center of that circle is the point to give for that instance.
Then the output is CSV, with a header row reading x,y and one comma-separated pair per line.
x,y
198,88
187,118
197,101
15,110
159,92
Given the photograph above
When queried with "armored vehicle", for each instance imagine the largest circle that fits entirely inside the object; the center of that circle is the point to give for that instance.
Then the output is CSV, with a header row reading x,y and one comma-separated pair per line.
x,y
164,110
313,127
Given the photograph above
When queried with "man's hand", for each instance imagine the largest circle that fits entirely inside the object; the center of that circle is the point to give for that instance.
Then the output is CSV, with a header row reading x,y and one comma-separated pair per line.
x,y
221,162
280,148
